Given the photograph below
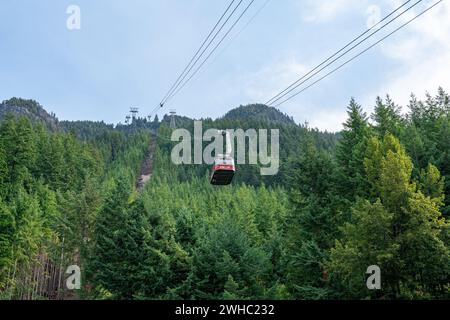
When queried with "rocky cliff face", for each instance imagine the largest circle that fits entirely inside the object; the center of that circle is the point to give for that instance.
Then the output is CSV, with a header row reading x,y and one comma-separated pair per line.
x,y
30,109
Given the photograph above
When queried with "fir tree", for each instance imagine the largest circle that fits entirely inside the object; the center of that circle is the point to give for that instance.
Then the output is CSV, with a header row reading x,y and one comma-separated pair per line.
x,y
387,117
402,233
107,259
7,235
350,153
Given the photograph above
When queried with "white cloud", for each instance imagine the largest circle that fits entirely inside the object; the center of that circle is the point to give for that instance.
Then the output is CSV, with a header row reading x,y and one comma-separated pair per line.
x,y
324,117
320,11
272,78
265,83
330,120
422,54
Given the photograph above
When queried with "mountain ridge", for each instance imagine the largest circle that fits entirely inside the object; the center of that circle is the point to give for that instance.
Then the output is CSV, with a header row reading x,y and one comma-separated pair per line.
x,y
37,113
259,112
31,109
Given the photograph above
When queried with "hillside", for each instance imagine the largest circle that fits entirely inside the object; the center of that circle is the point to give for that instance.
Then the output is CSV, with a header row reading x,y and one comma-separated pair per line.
x,y
30,109
253,113
259,112
255,116
308,232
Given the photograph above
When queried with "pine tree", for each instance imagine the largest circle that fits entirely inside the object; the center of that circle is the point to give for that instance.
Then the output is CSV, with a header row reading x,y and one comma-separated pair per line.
x,y
231,290
313,195
7,234
313,223
130,248
401,232
30,238
432,184
350,153
226,250
387,117
3,171
107,254
19,146
165,263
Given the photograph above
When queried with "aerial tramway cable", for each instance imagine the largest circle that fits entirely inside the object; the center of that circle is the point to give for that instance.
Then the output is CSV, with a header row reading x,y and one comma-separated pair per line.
x,y
324,64
236,35
199,49
210,54
197,56
359,54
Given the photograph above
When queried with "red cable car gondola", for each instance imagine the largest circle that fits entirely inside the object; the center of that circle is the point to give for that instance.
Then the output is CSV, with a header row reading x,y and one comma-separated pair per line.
x,y
223,169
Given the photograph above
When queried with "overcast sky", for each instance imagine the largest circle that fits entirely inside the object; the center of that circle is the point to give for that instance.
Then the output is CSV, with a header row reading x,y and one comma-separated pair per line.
x,y
129,52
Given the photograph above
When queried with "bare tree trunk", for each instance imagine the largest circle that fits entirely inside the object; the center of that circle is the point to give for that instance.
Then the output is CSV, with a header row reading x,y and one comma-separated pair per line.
x,y
39,271
24,281
8,284
23,285
60,268
34,279
54,289
44,278
30,286
13,283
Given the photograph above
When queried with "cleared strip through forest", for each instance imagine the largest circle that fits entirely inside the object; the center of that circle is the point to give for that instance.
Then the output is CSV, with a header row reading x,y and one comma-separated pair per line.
x,y
147,165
